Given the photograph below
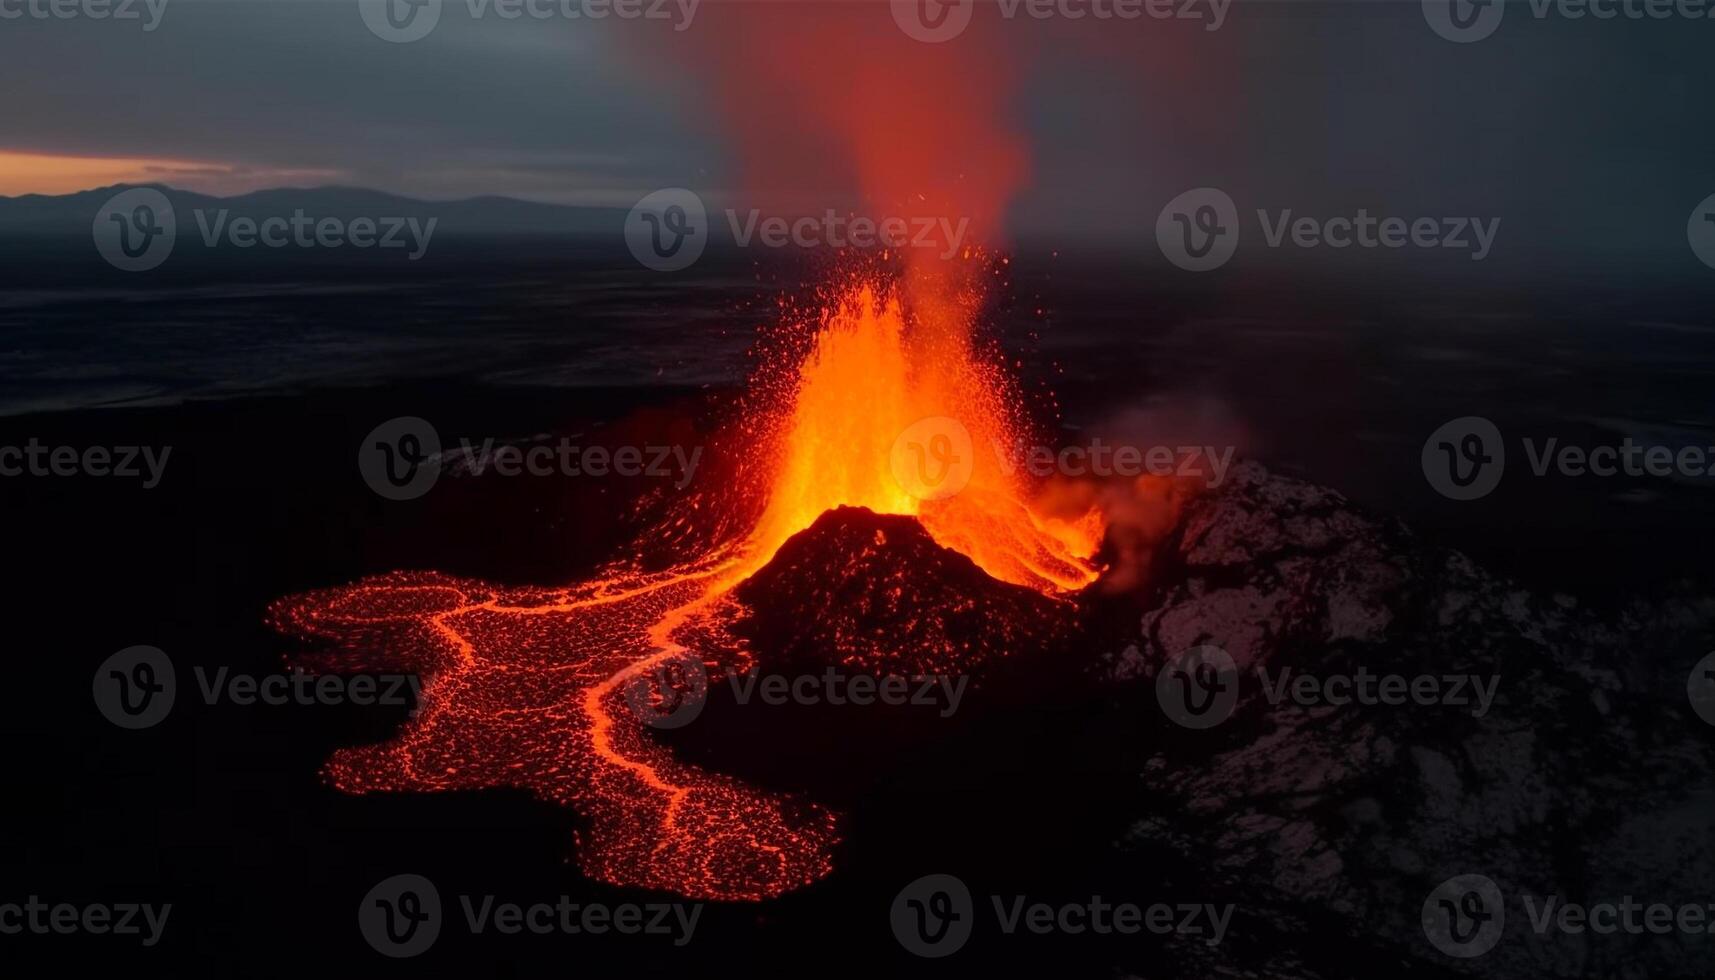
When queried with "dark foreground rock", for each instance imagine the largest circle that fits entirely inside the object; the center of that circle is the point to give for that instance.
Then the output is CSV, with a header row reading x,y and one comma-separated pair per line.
x,y
1587,777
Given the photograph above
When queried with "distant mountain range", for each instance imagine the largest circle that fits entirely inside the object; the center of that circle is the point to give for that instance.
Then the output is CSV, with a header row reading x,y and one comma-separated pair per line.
x,y
74,214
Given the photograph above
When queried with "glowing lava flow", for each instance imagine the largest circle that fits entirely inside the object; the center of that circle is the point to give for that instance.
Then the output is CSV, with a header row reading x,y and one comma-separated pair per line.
x,y
526,687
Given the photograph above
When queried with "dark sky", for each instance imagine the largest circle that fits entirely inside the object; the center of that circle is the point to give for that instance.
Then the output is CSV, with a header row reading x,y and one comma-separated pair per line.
x,y
1598,130
538,110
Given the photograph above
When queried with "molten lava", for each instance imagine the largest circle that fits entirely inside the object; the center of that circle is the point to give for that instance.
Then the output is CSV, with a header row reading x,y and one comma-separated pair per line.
x,y
913,426
528,687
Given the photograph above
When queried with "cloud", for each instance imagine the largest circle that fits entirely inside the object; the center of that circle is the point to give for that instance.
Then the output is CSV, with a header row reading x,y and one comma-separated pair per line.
x,y
302,88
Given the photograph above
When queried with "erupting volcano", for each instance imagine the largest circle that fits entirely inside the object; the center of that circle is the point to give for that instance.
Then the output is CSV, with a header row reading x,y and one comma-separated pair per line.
x,y
890,410
878,399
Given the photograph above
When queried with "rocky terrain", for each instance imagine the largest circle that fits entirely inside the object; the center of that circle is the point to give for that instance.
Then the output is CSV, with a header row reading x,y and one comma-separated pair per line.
x,y
1588,776
876,593
1378,726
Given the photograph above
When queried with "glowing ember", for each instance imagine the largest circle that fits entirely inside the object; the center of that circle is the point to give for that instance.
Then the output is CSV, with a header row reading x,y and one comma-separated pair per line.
x,y
526,688
915,427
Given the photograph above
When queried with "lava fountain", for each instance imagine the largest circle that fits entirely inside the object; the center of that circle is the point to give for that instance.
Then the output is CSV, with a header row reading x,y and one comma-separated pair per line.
x,y
526,687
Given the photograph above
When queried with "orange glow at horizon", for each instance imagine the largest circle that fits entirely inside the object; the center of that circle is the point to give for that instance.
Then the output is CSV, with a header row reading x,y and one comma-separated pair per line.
x,y
42,173
23,172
